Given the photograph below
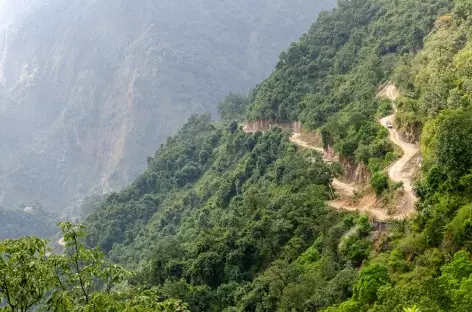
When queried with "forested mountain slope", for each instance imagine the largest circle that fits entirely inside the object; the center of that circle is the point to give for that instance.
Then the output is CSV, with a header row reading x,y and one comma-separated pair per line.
x,y
89,89
329,78
195,238
26,221
219,213
231,221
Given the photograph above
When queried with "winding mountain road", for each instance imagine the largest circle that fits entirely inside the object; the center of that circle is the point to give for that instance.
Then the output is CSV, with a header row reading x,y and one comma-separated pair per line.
x,y
337,184
396,171
345,189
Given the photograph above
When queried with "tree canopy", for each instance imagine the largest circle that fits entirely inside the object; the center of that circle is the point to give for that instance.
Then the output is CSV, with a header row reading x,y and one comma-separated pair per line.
x,y
230,221
34,279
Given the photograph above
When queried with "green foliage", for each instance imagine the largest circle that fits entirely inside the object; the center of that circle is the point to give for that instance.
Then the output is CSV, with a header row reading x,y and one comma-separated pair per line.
x,y
347,306
339,45
232,108
357,250
447,143
439,76
459,231
379,182
24,273
397,262
371,278
354,245
385,109
228,221
425,265
329,78
246,229
33,279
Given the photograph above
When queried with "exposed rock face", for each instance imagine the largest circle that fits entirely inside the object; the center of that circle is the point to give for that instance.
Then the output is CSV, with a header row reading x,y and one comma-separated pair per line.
x,y
262,125
89,88
358,173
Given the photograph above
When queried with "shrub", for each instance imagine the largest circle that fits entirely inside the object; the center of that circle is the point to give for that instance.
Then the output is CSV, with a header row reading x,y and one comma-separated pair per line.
x,y
379,182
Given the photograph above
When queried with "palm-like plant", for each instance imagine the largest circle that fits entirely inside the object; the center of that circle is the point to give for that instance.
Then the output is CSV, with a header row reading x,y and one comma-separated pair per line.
x,y
412,309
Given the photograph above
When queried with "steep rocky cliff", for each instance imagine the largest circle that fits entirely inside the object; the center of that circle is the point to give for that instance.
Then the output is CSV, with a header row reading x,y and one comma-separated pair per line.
x,y
89,88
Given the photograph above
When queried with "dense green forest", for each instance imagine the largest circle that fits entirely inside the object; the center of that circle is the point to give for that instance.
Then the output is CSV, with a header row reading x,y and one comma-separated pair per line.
x,y
79,279
228,221
221,216
328,80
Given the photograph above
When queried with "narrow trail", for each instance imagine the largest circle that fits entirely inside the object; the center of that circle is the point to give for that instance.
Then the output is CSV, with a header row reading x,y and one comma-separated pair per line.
x,y
338,185
396,171
365,206
368,208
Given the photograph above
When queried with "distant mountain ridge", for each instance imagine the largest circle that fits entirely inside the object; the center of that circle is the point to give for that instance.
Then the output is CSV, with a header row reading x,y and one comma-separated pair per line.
x,y
27,220
88,89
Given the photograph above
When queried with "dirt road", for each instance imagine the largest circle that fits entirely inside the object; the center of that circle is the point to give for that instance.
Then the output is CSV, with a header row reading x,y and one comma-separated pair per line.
x,y
366,205
390,92
338,185
397,171
367,208
295,138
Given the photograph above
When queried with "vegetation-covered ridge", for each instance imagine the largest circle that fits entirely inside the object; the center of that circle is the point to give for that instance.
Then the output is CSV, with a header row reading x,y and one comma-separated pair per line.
x,y
17,223
220,215
228,221
329,79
